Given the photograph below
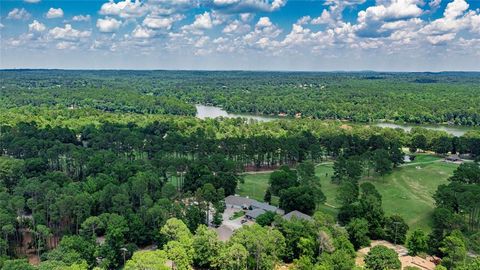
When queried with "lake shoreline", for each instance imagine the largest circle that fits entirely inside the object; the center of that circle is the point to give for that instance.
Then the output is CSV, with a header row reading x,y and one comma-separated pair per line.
x,y
209,111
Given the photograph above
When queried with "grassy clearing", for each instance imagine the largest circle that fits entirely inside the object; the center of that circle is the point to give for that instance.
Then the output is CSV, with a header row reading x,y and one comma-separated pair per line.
x,y
407,191
255,186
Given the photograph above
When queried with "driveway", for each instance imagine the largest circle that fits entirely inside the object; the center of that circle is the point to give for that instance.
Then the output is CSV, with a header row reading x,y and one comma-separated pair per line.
x,y
225,231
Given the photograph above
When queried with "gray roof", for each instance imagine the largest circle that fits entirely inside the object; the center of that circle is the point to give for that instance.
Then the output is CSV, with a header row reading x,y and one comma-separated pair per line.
x,y
247,202
238,200
255,213
297,215
264,206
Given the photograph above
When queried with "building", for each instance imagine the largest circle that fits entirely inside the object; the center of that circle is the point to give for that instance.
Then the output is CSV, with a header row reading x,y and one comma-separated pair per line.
x,y
297,215
253,214
239,202
453,158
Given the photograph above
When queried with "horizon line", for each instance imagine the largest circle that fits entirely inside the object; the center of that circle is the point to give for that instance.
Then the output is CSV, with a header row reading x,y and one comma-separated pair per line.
x,y
245,70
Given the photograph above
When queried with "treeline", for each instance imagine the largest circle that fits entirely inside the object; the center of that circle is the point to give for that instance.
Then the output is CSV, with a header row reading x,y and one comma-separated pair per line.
x,y
456,220
360,97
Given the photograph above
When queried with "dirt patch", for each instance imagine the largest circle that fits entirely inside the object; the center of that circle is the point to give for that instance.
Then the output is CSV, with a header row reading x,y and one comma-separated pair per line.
x,y
406,260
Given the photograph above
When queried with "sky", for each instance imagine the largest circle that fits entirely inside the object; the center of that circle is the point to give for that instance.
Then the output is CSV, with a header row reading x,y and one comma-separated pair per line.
x,y
309,35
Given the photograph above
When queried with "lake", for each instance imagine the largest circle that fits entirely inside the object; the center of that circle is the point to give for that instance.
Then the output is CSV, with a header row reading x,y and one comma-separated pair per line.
x,y
204,111
455,131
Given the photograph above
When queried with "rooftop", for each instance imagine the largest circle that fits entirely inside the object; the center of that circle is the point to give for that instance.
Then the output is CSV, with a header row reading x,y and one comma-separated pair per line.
x,y
255,213
297,215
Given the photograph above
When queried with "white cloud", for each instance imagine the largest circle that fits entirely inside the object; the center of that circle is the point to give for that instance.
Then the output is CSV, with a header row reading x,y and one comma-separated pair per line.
x,y
324,18
203,21
1,26
241,6
32,1
54,13
81,18
142,33
441,39
370,21
68,33
236,27
245,17
455,9
263,36
264,22
455,18
201,42
66,45
18,14
156,22
123,9
108,25
396,10
304,20
36,26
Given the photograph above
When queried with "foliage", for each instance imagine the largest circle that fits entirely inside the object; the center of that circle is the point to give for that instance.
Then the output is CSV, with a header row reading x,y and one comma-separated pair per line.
x,y
145,260
265,246
417,242
358,232
381,258
266,219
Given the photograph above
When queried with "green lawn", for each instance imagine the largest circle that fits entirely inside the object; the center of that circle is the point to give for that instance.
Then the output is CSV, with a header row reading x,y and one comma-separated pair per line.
x,y
254,186
407,191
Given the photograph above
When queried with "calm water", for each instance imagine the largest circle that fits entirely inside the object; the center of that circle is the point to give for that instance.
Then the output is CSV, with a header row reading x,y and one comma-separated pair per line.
x,y
455,131
213,112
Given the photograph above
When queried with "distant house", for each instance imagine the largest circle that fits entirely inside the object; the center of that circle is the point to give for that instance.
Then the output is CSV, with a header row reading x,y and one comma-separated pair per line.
x,y
453,158
244,203
297,215
253,214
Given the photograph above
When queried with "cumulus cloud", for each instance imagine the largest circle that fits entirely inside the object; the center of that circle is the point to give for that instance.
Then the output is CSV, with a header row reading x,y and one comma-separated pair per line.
x,y
455,18
36,26
68,33
18,14
239,6
142,33
455,9
157,22
32,1
370,21
81,18
324,18
54,13
202,22
124,9
108,25
66,45
236,27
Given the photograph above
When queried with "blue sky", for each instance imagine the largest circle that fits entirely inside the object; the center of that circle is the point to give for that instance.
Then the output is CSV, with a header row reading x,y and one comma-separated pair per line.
x,y
383,35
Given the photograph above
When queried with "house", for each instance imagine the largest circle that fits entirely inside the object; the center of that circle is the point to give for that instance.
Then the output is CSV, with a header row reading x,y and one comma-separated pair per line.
x,y
253,214
453,158
239,202
297,215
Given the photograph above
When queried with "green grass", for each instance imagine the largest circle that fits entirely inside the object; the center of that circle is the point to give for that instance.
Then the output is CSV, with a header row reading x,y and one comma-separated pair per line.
x,y
407,191
237,215
255,186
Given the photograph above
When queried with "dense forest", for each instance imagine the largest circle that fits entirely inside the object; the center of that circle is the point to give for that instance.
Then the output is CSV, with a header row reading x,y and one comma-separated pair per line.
x,y
448,97
110,170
